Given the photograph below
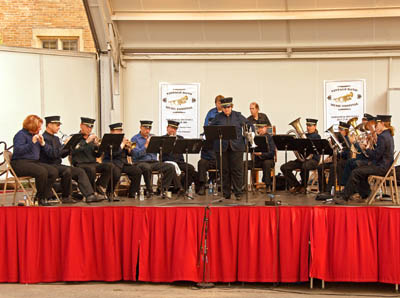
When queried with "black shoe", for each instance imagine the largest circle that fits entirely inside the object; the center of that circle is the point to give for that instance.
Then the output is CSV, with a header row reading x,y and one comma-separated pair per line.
x,y
238,197
227,197
43,202
132,195
68,200
323,196
202,190
340,201
181,192
149,194
93,199
100,189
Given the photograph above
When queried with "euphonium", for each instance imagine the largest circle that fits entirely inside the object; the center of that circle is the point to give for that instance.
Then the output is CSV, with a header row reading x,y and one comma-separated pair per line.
x,y
334,138
299,132
360,137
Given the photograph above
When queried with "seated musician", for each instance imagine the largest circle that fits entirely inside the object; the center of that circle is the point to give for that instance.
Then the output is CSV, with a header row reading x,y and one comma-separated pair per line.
x,y
265,160
84,156
53,155
342,158
304,165
381,159
147,162
119,159
257,115
172,128
25,159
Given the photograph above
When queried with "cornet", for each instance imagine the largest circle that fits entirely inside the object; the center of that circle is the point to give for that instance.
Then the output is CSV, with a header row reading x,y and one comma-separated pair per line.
x,y
249,136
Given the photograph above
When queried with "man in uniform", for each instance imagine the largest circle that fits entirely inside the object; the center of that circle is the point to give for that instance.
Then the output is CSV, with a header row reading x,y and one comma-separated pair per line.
x,y
172,128
84,156
304,165
147,162
53,153
122,165
265,160
381,159
232,150
214,111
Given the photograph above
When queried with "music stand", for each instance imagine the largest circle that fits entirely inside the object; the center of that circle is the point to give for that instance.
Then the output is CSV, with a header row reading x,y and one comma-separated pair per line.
x,y
109,142
192,146
262,144
73,141
324,148
220,132
305,147
160,145
284,143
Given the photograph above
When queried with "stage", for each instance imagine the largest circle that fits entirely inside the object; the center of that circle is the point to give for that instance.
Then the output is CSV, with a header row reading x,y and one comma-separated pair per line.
x,y
158,241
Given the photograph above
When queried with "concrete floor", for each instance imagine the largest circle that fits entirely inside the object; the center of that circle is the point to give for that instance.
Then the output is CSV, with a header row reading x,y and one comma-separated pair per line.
x,y
188,290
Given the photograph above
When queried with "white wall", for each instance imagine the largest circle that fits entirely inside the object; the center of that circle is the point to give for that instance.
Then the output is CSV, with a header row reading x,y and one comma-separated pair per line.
x,y
33,82
284,89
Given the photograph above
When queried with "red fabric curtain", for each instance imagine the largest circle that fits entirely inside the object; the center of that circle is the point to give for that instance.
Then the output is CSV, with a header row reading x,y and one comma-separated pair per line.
x,y
344,244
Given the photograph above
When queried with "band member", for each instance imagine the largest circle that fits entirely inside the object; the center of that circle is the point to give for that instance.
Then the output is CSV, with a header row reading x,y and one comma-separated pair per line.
x,y
265,160
306,165
147,162
172,128
214,111
121,163
381,160
207,161
232,150
53,154
84,156
256,115
341,162
25,159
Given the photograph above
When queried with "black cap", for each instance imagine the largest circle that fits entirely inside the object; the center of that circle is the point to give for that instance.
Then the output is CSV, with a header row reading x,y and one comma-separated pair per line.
x,y
261,123
87,121
52,119
383,118
146,123
173,123
368,117
227,101
115,126
310,121
343,125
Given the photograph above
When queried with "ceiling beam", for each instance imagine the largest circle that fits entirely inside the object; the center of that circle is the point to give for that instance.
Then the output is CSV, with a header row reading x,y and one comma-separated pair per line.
x,y
255,15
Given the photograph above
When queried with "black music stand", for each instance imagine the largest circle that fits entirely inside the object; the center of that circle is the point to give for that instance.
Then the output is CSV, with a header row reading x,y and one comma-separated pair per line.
x,y
305,147
160,145
324,148
109,143
220,132
284,143
73,141
192,146
262,144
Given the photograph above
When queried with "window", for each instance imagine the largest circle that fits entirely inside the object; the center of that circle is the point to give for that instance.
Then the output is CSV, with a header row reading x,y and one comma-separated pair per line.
x,y
69,45
58,39
49,44
65,44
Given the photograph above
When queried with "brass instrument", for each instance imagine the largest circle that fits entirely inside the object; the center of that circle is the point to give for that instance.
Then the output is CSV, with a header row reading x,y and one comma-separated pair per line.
x,y
130,145
299,132
344,98
360,137
335,141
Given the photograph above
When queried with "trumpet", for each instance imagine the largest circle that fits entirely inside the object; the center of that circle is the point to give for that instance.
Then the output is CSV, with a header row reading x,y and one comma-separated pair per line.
x,y
249,136
130,145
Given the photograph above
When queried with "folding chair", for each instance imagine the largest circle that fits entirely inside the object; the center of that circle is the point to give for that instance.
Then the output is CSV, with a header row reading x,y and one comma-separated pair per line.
x,y
379,183
12,177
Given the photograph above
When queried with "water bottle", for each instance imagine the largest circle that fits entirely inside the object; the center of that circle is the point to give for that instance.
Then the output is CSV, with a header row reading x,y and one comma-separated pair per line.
x,y
332,190
191,190
379,195
141,195
215,189
210,188
25,200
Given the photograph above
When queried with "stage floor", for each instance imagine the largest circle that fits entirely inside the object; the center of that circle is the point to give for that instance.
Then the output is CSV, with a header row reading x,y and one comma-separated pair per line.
x,y
257,198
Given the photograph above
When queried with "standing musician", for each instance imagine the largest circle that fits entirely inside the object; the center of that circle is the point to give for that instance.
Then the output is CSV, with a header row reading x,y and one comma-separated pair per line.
x,y
257,115
207,161
54,153
172,127
265,160
232,150
147,162
25,159
304,166
214,111
84,156
342,159
381,160
121,163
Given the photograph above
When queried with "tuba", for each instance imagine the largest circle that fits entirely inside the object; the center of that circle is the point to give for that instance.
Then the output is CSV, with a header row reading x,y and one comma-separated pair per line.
x,y
299,132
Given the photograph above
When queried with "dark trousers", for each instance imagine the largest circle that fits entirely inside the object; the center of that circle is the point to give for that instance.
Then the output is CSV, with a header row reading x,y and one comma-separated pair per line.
x,y
45,175
167,171
288,168
358,181
232,172
134,175
266,166
67,173
341,163
203,165
192,175
350,165
92,168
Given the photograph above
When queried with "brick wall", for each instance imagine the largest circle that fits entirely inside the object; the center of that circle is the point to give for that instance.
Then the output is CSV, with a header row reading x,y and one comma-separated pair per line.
x,y
18,18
